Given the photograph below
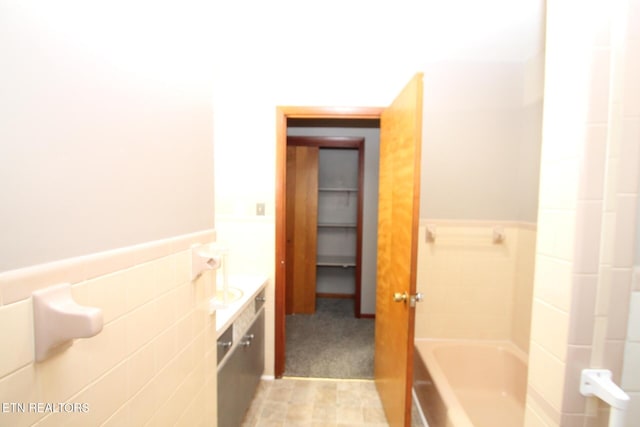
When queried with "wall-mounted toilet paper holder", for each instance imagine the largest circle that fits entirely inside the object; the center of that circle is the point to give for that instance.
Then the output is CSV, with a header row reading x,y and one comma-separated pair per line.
x,y
58,320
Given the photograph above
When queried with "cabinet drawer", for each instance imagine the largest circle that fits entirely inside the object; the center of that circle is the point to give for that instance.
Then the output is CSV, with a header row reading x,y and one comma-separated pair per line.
x,y
225,342
240,375
260,300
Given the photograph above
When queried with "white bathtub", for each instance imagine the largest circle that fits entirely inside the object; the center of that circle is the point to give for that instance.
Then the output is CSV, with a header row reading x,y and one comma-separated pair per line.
x,y
470,383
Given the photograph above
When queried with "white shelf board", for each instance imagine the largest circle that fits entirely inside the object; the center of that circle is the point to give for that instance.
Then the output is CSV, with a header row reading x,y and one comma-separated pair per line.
x,y
338,189
337,224
336,261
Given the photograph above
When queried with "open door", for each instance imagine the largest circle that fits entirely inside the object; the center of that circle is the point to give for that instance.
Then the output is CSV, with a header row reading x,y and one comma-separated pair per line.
x,y
302,211
398,220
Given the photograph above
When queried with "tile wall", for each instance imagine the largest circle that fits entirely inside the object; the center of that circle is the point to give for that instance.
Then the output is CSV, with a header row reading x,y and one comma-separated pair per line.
x,y
631,368
587,214
631,136
154,361
474,287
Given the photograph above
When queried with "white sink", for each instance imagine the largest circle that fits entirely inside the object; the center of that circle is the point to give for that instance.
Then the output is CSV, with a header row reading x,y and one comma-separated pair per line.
x,y
233,294
241,292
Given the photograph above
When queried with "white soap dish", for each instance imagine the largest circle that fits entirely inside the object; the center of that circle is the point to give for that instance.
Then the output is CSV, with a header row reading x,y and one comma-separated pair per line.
x,y
58,320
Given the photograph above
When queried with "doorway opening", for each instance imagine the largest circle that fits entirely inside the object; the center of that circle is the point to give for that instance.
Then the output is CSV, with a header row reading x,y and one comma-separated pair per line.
x,y
331,208
327,122
397,231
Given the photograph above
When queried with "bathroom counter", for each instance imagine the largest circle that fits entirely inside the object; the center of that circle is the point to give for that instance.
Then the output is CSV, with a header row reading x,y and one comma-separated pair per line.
x,y
251,286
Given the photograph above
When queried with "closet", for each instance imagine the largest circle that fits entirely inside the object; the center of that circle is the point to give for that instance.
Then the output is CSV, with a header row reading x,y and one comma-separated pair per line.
x,y
325,179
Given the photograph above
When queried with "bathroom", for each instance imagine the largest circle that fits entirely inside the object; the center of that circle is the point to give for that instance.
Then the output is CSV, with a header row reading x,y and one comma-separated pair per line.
x,y
108,159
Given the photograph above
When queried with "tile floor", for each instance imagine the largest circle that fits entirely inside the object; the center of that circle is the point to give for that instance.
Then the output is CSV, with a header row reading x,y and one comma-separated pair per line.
x,y
313,402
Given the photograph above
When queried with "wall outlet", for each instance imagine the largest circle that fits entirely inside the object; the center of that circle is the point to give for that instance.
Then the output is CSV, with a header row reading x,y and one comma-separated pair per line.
x,y
260,209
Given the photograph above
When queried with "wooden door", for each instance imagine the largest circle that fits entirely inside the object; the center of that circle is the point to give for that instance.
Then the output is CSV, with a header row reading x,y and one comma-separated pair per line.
x,y
398,215
301,229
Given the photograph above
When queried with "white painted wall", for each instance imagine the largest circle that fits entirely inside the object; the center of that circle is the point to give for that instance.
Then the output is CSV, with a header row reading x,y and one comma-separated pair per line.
x,y
355,53
346,53
481,142
105,126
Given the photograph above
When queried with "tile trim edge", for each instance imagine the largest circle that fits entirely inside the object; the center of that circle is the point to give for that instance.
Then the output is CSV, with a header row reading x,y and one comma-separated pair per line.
x,y
17,285
477,223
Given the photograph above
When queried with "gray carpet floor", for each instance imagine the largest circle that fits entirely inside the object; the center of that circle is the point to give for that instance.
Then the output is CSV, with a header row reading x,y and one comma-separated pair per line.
x,y
330,343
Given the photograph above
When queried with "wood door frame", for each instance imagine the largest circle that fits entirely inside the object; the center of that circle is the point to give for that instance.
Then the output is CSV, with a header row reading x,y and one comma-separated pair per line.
x,y
344,143
282,115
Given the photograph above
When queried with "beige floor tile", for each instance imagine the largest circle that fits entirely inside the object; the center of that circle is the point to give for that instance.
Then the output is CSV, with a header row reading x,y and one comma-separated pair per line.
x,y
324,413
269,423
350,414
325,396
274,411
296,402
300,412
279,394
374,415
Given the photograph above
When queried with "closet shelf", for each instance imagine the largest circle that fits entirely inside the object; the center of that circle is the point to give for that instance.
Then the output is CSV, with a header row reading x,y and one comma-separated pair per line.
x,y
335,261
338,189
337,224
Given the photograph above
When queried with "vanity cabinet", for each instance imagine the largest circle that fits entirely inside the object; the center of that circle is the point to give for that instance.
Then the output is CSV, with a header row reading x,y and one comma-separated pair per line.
x,y
224,343
240,370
